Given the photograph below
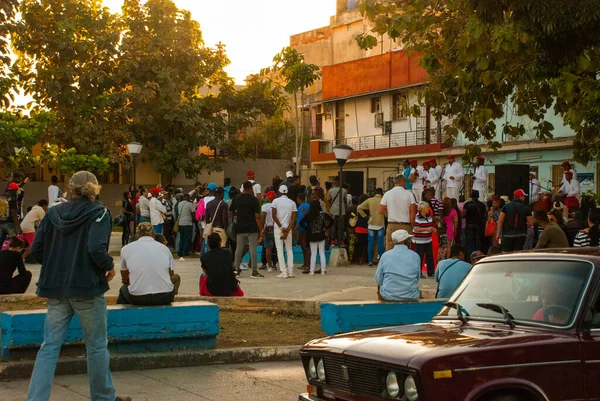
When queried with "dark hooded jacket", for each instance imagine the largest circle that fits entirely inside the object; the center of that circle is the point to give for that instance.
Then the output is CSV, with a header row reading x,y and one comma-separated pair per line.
x,y
72,246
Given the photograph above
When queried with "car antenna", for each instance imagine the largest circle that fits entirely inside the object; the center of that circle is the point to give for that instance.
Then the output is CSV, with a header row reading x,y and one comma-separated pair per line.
x,y
459,311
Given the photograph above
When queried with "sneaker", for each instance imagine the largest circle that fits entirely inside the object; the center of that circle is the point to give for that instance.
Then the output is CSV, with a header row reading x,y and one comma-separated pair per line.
x,y
291,275
263,267
181,259
323,273
318,271
270,269
282,275
311,273
370,264
257,275
243,267
305,271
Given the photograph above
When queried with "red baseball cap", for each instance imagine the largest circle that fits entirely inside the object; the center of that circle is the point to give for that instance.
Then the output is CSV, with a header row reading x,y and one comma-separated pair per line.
x,y
432,160
427,162
250,174
480,158
565,163
155,191
519,192
271,195
451,157
413,161
13,186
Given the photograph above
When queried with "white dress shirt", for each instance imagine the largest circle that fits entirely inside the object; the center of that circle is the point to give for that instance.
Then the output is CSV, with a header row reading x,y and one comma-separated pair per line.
x,y
454,170
398,201
534,190
420,175
481,180
148,262
571,188
156,211
284,207
433,177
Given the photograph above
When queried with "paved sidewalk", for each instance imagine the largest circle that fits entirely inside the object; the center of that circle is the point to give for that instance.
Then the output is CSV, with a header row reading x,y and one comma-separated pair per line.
x,y
268,381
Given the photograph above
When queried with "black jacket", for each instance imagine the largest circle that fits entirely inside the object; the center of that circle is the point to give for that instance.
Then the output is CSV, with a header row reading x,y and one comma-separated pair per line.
x,y
72,246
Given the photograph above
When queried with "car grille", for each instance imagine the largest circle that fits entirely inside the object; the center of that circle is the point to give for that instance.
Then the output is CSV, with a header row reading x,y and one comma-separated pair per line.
x,y
363,377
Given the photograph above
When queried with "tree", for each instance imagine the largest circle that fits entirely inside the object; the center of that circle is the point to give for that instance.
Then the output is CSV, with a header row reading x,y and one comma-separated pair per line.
x,y
7,81
164,63
483,55
273,138
297,75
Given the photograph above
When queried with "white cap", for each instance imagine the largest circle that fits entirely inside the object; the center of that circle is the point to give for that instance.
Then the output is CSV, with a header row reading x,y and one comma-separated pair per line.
x,y
283,189
289,174
400,236
149,195
533,174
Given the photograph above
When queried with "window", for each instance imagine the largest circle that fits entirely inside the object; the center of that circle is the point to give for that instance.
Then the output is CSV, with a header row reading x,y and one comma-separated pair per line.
x,y
400,106
376,105
557,176
371,186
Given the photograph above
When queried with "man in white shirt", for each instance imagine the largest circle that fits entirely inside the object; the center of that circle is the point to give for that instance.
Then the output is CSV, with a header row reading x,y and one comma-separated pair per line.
x,y
256,188
417,176
32,220
480,178
534,187
284,212
157,210
439,184
453,176
54,195
147,271
401,208
568,167
572,190
144,207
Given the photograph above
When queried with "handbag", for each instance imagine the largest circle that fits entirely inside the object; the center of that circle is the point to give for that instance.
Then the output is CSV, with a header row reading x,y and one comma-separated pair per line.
x,y
176,225
490,227
208,230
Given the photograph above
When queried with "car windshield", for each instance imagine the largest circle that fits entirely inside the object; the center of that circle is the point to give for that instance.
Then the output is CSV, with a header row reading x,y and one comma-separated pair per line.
x,y
536,292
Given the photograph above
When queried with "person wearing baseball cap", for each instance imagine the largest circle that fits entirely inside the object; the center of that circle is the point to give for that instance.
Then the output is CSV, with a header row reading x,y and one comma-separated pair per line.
x,y
480,178
9,213
568,167
267,231
399,271
514,220
158,211
256,188
453,177
284,212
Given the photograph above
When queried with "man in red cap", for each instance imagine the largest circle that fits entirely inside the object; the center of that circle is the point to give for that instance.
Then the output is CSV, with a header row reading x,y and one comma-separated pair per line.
x,y
513,222
480,178
417,177
571,189
267,230
568,167
9,213
453,176
256,188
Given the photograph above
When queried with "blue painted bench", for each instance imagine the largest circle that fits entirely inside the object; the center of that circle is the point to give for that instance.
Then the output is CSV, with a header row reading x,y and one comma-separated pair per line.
x,y
181,325
344,317
298,257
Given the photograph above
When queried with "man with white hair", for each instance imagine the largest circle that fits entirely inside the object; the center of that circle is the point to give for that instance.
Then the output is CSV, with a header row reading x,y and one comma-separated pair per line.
x,y
399,271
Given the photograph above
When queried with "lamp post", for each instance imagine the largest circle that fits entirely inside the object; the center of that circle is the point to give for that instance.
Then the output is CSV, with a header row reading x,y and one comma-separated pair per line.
x,y
342,154
135,148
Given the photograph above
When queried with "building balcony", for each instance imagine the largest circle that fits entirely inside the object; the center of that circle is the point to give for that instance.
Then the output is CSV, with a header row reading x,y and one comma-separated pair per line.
x,y
398,144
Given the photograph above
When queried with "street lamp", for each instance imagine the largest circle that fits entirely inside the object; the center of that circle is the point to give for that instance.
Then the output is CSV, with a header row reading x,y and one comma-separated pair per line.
x,y
135,148
342,154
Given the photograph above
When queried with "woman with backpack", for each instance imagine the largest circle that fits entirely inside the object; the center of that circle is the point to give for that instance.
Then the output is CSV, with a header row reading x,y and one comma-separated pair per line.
x,y
316,223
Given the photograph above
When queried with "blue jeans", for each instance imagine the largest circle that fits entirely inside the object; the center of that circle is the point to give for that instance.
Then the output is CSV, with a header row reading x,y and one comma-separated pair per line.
x,y
158,229
143,219
92,315
380,234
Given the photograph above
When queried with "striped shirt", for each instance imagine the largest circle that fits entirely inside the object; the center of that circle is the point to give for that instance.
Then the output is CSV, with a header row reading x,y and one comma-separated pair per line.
x,y
437,206
583,239
422,222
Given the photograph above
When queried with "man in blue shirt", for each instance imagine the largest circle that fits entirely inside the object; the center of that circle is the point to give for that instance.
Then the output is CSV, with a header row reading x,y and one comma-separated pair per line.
x,y
406,174
451,272
303,208
399,271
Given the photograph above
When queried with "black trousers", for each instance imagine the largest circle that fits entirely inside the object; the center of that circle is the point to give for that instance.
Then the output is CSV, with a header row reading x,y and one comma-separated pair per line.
x,y
473,238
511,244
163,298
427,251
17,284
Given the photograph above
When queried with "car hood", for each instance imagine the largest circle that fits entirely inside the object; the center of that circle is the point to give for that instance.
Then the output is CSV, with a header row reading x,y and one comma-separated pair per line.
x,y
402,344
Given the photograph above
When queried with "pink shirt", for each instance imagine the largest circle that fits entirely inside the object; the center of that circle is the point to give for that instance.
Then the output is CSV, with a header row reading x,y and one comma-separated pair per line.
x,y
449,221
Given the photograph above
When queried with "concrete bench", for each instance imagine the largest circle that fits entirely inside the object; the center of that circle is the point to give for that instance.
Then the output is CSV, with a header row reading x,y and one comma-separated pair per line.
x,y
344,317
298,257
181,325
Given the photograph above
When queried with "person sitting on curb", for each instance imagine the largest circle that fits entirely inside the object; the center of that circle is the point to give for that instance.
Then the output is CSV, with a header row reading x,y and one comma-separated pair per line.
x,y
147,271
451,272
399,271
11,260
218,278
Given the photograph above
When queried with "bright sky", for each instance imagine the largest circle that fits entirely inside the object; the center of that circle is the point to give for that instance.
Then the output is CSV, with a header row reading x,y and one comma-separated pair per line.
x,y
253,31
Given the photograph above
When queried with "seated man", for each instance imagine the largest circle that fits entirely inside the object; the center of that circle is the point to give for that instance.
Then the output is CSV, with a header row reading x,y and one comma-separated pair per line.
x,y
147,271
218,278
399,271
11,260
553,298
451,272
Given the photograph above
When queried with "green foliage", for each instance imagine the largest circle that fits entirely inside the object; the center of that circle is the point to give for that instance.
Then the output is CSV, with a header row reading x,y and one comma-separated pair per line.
x,y
7,80
70,161
536,56
272,139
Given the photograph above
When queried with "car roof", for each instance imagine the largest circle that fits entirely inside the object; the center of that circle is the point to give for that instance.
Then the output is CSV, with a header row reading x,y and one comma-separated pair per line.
x,y
587,253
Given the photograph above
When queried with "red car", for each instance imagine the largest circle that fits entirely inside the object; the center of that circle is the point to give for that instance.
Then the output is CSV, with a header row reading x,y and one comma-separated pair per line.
x,y
520,327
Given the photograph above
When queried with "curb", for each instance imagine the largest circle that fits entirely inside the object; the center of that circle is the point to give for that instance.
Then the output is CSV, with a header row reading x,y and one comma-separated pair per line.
x,y
159,360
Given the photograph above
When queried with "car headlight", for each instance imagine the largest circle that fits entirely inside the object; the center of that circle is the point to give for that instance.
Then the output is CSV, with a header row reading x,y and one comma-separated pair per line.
x,y
321,370
391,385
410,389
312,369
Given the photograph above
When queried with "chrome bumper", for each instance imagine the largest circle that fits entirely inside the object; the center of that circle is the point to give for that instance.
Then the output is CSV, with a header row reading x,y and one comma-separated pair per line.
x,y
308,397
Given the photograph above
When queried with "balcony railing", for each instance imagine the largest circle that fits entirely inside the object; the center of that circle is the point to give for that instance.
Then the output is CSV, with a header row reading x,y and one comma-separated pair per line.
x,y
393,140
